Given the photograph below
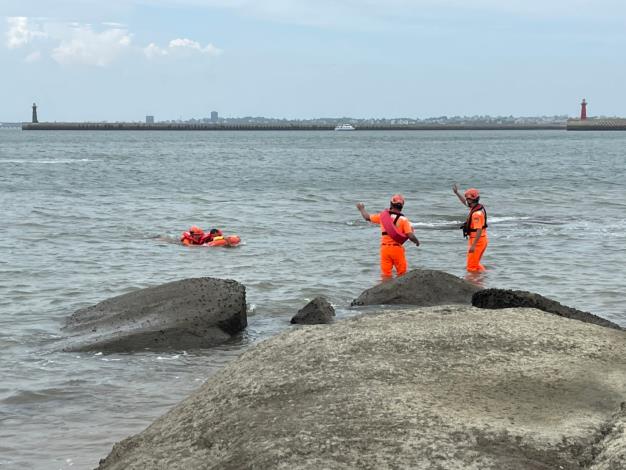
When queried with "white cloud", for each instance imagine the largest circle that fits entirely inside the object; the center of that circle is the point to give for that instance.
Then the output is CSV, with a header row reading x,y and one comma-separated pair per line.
x,y
20,32
70,43
88,47
181,47
188,44
152,51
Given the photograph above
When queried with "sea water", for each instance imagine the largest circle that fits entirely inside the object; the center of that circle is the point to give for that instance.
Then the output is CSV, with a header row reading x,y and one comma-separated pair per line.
x,y
90,215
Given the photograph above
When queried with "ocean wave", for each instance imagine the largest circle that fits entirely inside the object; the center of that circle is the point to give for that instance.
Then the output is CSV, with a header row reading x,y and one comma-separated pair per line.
x,y
446,223
439,224
22,397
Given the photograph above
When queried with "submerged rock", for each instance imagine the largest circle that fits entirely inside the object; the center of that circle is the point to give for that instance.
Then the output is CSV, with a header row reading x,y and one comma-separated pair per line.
x,y
191,313
422,287
505,298
450,387
317,311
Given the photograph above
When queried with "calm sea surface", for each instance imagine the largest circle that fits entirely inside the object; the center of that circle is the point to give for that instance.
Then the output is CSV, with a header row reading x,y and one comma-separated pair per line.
x,y
91,215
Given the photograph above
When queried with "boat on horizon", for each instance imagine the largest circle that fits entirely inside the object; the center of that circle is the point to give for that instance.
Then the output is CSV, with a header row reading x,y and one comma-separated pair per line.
x,y
345,127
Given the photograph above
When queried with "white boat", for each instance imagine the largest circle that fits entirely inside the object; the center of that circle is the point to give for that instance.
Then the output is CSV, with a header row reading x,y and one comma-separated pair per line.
x,y
344,127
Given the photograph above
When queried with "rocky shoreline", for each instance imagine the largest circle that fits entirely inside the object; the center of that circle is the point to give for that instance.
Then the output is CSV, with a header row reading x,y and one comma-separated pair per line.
x,y
433,387
440,384
453,377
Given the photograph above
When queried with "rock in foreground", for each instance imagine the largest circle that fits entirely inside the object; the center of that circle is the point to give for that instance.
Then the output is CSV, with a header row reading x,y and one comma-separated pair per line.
x,y
442,388
191,313
422,287
505,298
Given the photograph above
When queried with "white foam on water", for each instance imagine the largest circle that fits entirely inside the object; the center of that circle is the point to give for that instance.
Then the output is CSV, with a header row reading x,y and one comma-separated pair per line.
x,y
168,358
455,223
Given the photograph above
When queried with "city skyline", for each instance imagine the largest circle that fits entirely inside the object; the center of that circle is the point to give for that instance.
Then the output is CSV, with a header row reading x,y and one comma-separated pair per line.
x,y
85,61
214,117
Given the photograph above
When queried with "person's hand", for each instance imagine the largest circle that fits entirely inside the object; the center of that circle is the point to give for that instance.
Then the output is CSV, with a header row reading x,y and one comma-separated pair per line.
x,y
472,249
455,188
360,206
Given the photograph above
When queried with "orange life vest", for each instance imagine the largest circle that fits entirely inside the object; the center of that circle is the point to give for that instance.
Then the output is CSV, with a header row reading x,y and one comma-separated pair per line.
x,y
467,225
188,239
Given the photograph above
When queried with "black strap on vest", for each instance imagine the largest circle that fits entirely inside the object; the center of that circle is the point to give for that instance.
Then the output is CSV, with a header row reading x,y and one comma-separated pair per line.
x,y
466,227
398,215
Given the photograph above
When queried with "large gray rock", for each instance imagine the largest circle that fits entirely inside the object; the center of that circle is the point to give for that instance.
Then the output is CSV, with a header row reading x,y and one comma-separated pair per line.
x,y
422,287
317,311
611,449
505,298
451,387
191,313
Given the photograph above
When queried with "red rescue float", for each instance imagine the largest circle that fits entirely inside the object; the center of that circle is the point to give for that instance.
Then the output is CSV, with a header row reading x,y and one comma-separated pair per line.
x,y
195,236
228,240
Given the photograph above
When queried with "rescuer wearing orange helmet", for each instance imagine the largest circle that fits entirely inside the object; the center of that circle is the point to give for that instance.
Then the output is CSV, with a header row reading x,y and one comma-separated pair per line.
x,y
474,228
193,236
196,236
396,229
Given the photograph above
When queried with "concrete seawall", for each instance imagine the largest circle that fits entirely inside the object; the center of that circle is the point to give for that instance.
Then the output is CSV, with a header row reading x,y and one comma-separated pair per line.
x,y
130,126
596,125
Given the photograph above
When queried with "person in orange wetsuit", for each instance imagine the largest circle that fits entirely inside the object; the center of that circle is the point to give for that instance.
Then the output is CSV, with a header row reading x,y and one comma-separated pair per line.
x,y
196,236
474,228
396,229
193,236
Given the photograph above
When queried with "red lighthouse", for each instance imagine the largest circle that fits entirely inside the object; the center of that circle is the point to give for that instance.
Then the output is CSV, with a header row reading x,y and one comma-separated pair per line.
x,y
583,110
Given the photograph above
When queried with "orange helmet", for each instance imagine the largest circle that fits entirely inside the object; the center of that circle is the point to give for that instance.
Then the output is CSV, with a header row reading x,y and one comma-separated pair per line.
x,y
472,193
397,199
195,230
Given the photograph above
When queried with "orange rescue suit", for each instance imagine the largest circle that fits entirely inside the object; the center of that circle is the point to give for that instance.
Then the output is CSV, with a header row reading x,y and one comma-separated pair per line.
x,y
198,237
391,252
476,221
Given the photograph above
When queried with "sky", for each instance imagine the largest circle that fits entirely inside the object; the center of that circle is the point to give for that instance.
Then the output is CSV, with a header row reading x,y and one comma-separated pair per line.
x,y
120,60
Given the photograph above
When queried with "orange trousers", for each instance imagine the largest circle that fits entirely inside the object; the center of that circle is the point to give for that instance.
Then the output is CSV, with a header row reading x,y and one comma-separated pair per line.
x,y
473,259
390,256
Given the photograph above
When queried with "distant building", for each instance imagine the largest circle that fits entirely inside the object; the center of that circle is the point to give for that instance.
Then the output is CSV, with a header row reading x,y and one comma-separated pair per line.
x,y
214,116
149,119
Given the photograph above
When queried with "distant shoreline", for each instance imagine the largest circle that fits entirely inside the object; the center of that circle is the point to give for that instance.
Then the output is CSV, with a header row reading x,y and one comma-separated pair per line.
x,y
130,126
614,124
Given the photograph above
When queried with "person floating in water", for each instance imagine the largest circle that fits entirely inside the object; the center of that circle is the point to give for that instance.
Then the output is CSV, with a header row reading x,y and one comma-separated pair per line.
x,y
474,228
196,236
396,229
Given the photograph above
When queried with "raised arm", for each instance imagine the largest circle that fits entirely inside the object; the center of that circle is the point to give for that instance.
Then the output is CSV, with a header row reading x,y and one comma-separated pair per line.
x,y
455,189
361,207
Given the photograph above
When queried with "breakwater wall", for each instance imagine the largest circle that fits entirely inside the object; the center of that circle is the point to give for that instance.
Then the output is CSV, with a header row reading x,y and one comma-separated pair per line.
x,y
130,126
616,124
